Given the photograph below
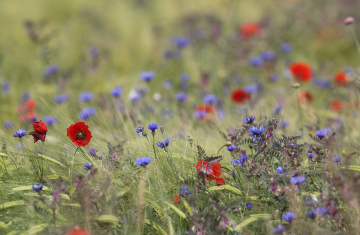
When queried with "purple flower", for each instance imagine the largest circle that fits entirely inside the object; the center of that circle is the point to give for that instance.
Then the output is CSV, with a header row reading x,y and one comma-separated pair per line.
x,y
19,133
256,61
210,99
37,187
59,99
116,92
268,55
311,214
93,152
336,159
311,155
279,170
286,47
160,144
284,124
279,230
277,108
297,180
251,89
184,77
321,211
199,114
274,77
87,113
51,71
88,166
249,205
153,126
167,142
50,120
231,148
323,132
181,42
93,52
181,97
288,216
322,83
254,131
147,76
25,96
184,190
249,120
139,130
5,87
8,124
167,84
143,161
86,96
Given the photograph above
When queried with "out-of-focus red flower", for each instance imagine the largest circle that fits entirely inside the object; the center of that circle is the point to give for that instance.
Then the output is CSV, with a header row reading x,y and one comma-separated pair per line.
x,y
336,105
79,134
341,79
78,231
39,132
305,97
213,170
239,96
248,30
177,199
220,181
207,108
301,71
27,110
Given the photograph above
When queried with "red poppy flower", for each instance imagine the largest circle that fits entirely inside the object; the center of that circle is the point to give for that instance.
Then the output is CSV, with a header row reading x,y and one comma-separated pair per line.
x,y
336,106
301,71
239,96
248,30
220,181
341,79
305,96
78,231
213,170
39,132
79,134
207,108
177,199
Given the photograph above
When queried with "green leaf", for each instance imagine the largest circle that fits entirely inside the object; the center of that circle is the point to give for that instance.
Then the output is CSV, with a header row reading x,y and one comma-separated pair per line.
x,y
244,223
175,209
51,160
35,229
157,227
109,219
187,207
226,188
123,191
171,228
11,204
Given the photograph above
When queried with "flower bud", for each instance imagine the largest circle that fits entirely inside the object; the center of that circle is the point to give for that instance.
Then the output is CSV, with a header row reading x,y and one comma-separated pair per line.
x,y
296,85
226,176
228,143
349,21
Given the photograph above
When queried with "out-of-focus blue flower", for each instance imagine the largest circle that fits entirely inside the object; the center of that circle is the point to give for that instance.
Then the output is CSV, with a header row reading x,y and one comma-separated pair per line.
x,y
116,92
59,99
153,126
93,152
87,113
88,166
309,202
279,230
199,114
277,108
25,96
322,83
93,52
297,180
143,161
181,97
160,144
249,120
180,42
172,54
167,84
321,211
255,131
139,130
286,47
268,55
32,118
86,96
284,124
147,76
311,214
279,170
183,190
185,77
251,89
51,71
249,205
288,216
231,148
210,99
167,142
50,120
37,187
19,133
8,124
311,155
134,96
336,159
274,77
256,61
240,161
323,132
5,87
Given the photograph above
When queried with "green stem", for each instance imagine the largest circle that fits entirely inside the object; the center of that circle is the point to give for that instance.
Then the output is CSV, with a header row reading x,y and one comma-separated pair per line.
x,y
355,38
219,150
72,163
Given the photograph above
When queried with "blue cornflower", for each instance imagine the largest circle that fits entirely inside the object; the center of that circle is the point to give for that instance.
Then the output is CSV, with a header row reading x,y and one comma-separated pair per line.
x,y
181,42
86,96
93,52
88,166
116,92
279,230
51,71
153,126
322,83
254,131
32,118
185,77
268,55
139,130
19,133
181,97
8,124
242,159
160,144
93,152
297,180
284,124
311,214
134,96
279,143
62,98
172,54
289,216
184,190
50,120
309,202
231,148
321,211
277,108
199,114
210,99
143,161
256,61
167,142
86,113
5,87
25,96
37,187
336,159
147,76
249,120
323,132
274,77
251,89
249,205
311,155
286,47
279,170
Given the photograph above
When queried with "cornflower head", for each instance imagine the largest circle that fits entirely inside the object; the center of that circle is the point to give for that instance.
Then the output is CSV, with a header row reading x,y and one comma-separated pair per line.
x,y
180,42
153,127
256,61
93,152
297,180
286,47
248,120
336,159
50,120
5,87
88,166
147,76
311,214
86,96
311,155
277,108
279,170
139,130
181,97
279,230
255,131
323,132
59,99
185,77
19,133
268,55
210,99
251,89
116,92
274,77
249,205
143,161
87,113
288,216
37,187
231,148
183,190
321,211
51,71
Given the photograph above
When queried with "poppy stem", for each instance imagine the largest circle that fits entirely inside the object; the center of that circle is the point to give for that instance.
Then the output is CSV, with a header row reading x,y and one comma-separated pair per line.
x,y
355,38
72,164
220,149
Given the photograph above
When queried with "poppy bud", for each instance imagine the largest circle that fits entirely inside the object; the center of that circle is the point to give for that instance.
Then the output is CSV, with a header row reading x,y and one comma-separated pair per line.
x,y
296,85
228,143
226,176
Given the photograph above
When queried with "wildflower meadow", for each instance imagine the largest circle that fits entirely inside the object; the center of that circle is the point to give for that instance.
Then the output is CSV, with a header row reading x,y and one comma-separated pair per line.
x,y
200,117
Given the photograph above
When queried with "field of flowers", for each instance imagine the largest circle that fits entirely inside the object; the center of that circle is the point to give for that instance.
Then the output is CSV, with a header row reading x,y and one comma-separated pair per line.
x,y
173,117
